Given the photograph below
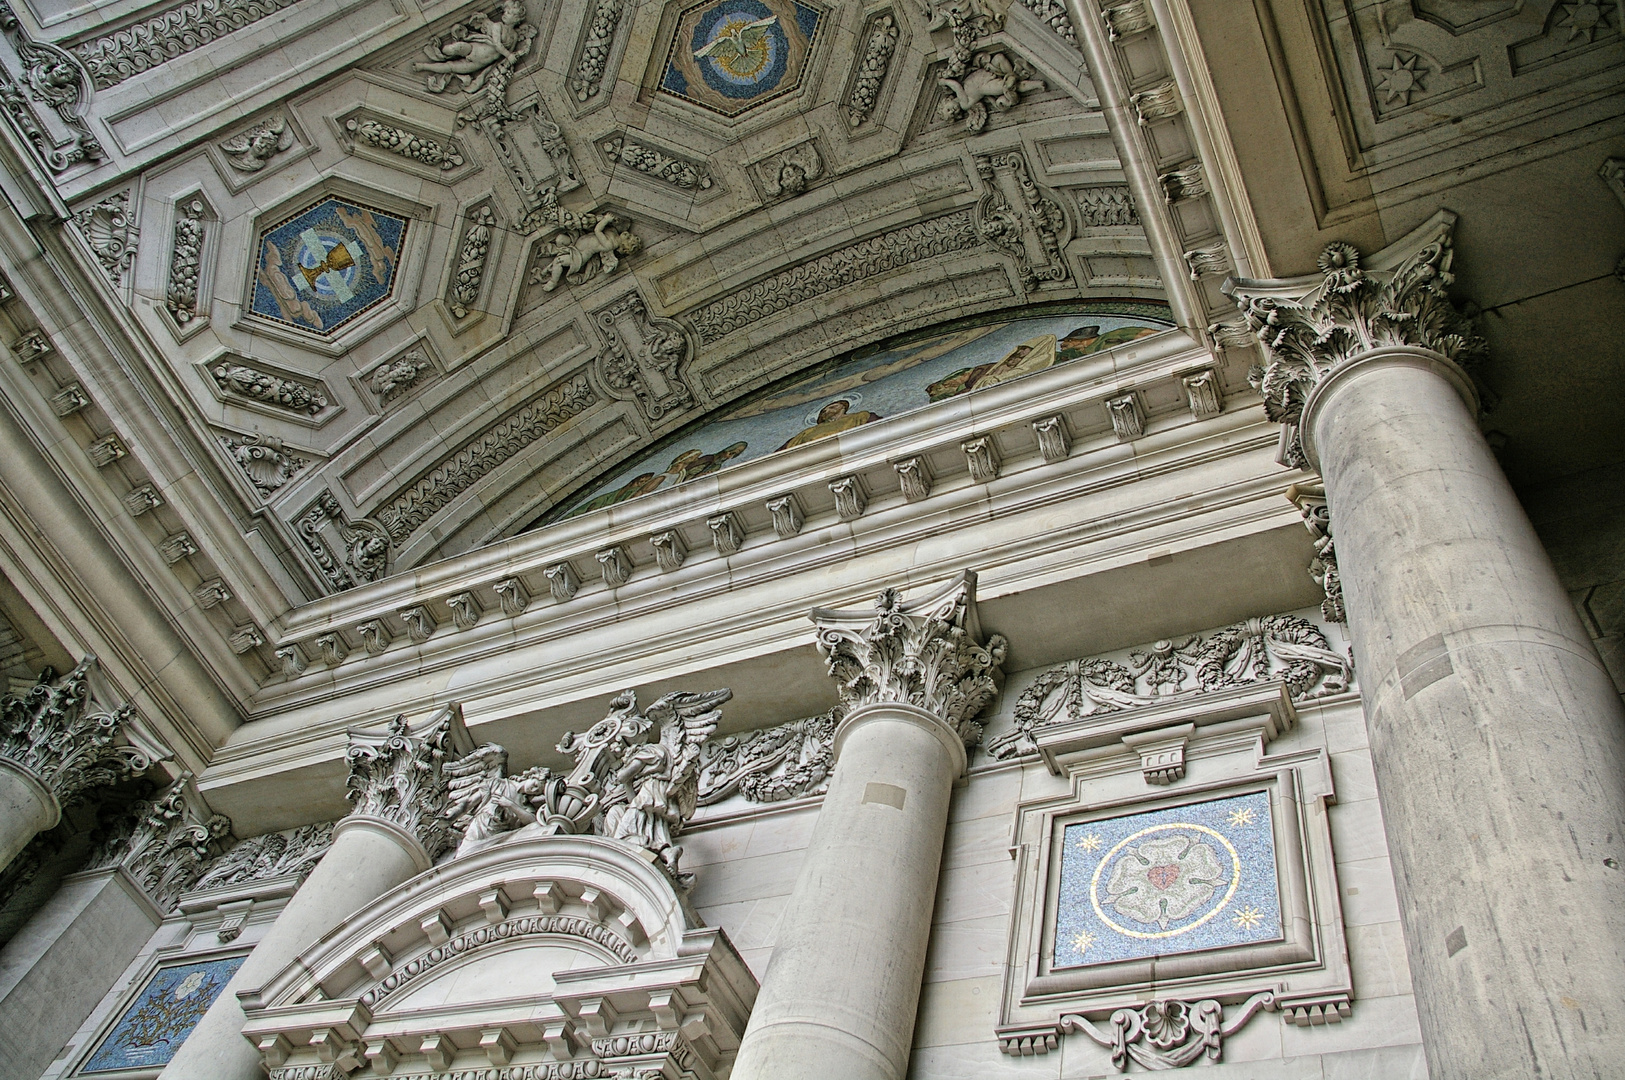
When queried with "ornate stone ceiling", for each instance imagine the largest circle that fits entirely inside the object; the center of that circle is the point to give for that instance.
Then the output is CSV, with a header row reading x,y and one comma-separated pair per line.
x,y
410,300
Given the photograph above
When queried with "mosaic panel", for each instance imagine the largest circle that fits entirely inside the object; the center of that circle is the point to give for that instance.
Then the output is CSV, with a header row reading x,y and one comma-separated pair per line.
x,y
1165,882
163,1015
730,55
325,265
873,384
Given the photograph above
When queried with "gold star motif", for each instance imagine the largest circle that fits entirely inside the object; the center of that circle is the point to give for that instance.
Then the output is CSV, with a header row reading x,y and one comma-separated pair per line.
x,y
1401,80
1247,918
1083,941
1244,816
1584,19
1091,842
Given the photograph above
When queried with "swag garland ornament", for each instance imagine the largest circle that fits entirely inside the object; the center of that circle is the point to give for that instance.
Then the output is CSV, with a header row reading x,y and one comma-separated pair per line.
x,y
1308,329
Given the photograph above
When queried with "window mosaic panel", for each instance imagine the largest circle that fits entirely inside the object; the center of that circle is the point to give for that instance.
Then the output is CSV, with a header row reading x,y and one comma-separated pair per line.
x,y
160,1018
1165,882
324,266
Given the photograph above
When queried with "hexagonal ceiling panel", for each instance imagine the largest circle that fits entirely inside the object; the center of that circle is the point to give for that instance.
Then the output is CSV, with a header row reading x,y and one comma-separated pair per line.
x,y
325,265
733,55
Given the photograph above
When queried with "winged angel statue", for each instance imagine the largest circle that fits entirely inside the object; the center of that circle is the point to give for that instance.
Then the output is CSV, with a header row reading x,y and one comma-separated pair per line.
x,y
635,780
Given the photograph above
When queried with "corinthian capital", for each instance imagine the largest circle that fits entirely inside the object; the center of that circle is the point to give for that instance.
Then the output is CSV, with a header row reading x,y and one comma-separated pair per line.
x,y
1311,325
925,654
68,741
165,842
398,775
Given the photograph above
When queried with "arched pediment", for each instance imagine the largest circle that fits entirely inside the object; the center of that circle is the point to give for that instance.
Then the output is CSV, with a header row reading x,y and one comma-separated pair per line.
x,y
567,953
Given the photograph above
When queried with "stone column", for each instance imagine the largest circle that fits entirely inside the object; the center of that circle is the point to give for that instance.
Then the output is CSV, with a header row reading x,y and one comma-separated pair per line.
x,y
842,988
395,831
55,745
1497,735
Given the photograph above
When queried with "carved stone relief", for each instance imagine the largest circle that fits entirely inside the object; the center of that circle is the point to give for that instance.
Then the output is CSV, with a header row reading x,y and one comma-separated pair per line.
x,y
1021,219
347,553
770,764
165,35
576,254
436,153
1105,206
53,79
1284,647
637,154
398,776
899,247
459,471
108,226
1168,1033
192,219
272,855
989,82
1310,499
395,377
790,171
879,46
251,150
593,57
643,357
164,843
264,461
465,284
281,391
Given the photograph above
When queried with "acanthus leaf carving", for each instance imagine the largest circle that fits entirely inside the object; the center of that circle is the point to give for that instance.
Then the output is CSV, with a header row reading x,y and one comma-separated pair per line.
x,y
1310,327
398,775
1288,648
64,738
483,453
1310,499
925,654
1106,205
164,843
271,855
362,547
166,35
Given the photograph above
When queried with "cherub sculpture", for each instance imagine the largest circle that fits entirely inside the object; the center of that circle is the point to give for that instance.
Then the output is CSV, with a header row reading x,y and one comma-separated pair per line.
x,y
661,778
469,52
251,150
573,257
482,802
995,81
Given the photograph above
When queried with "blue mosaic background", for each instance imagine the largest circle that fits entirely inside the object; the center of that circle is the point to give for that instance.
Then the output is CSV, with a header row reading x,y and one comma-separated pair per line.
x,y
327,264
160,1019
1164,882
727,82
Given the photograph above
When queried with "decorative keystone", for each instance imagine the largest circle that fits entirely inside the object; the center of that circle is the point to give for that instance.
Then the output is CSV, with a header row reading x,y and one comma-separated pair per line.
x,y
1053,441
850,500
727,533
982,455
562,581
465,610
1128,420
914,477
513,596
1202,391
787,515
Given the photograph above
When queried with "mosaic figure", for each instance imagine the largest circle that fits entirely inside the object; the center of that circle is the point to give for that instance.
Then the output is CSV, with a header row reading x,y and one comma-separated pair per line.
x,y
833,419
163,1015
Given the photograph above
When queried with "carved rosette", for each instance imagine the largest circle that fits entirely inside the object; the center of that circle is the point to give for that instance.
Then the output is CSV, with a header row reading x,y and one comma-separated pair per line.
x,y
59,735
397,775
1310,326
924,654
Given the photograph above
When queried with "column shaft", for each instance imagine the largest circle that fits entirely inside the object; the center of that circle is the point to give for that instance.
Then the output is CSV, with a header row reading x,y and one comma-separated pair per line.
x,y
1497,735
27,808
842,988
367,859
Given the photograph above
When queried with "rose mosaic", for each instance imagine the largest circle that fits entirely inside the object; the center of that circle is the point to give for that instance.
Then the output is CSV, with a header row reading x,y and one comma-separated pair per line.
x,y
163,1015
326,265
731,55
1163,882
